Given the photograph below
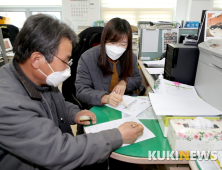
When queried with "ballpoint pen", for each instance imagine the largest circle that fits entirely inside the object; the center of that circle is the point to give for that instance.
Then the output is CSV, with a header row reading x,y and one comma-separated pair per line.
x,y
125,104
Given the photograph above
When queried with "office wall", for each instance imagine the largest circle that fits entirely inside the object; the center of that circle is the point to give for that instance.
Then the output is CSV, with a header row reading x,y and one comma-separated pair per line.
x,y
191,10
90,13
196,8
181,7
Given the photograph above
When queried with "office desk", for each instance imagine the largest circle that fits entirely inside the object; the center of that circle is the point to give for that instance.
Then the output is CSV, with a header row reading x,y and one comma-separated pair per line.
x,y
193,165
146,75
137,152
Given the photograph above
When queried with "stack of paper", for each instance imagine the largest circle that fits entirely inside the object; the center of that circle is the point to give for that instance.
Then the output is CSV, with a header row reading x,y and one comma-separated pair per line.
x,y
177,89
180,100
155,70
155,67
147,134
155,62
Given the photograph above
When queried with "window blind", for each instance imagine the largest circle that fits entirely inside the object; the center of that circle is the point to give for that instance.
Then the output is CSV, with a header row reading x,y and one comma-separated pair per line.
x,y
30,2
217,5
138,10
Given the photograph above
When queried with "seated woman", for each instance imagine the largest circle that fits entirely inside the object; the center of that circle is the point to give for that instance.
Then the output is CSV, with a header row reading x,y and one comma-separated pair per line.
x,y
108,71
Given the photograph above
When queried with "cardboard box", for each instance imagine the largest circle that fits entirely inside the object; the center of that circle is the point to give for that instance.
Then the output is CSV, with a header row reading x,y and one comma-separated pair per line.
x,y
164,122
100,23
182,138
5,20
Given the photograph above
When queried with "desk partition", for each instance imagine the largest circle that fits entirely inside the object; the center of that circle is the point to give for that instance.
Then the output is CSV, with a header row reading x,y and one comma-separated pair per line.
x,y
159,53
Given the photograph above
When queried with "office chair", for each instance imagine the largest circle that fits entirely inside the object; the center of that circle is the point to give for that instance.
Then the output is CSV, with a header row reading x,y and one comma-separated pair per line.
x,y
9,31
87,39
68,87
95,40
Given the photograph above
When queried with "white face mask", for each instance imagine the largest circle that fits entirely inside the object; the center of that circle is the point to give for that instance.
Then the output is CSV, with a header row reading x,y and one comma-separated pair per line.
x,y
56,78
114,52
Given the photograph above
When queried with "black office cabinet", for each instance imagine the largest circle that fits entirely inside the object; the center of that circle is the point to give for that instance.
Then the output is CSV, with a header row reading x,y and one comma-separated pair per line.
x,y
181,63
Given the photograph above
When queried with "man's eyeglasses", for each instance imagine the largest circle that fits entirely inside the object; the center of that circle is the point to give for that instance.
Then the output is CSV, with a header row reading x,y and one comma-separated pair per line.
x,y
69,63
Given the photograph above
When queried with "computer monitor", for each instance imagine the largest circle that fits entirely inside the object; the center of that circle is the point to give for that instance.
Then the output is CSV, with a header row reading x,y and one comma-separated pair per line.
x,y
202,16
200,33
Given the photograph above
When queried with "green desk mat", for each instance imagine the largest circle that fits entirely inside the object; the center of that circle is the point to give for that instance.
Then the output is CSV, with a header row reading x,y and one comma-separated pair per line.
x,y
159,143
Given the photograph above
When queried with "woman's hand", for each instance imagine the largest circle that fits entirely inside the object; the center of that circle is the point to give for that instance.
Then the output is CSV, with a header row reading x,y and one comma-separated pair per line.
x,y
113,99
120,88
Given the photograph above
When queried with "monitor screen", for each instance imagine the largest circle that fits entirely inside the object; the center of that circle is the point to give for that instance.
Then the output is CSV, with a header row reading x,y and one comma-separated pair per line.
x,y
202,16
200,33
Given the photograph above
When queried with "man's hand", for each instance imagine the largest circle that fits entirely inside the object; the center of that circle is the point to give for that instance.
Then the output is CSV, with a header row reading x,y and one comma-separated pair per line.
x,y
129,132
120,88
85,113
114,99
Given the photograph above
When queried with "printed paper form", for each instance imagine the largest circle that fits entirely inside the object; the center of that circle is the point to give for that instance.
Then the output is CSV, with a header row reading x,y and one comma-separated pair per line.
x,y
150,40
136,105
146,114
182,90
147,134
182,106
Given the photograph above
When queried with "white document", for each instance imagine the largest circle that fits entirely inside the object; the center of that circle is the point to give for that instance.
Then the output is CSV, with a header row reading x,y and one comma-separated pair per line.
x,y
155,70
208,164
146,114
181,90
219,157
136,105
173,105
125,115
147,134
150,40
155,61
149,112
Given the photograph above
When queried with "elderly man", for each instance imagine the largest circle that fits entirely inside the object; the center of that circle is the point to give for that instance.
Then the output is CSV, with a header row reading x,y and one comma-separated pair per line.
x,y
34,118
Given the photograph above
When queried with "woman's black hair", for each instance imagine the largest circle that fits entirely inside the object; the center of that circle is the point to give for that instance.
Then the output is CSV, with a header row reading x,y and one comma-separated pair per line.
x,y
114,31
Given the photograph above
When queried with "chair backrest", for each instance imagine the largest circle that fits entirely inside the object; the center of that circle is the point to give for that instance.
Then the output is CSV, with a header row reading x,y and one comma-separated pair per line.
x,y
95,40
86,41
9,31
